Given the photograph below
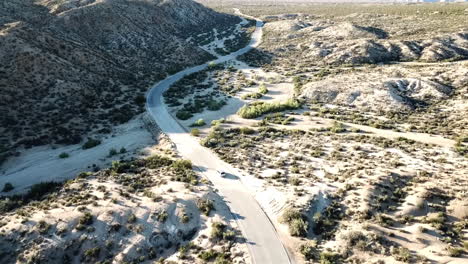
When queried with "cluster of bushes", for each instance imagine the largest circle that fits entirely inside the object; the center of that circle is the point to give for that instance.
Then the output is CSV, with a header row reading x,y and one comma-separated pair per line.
x,y
257,109
278,118
256,95
199,122
252,96
91,143
297,222
219,232
37,192
337,127
205,206
198,106
211,255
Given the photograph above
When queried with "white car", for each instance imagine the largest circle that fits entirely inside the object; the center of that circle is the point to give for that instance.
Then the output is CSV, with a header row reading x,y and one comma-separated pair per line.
x,y
222,174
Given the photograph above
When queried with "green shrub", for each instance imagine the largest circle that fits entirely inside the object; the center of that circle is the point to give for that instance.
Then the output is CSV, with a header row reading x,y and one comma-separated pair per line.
x,y
328,257
247,130
262,89
214,105
402,254
217,230
112,152
162,216
208,255
91,143
337,127
257,109
296,221
298,227
42,227
455,252
195,132
252,96
86,219
183,115
182,164
157,161
309,249
218,122
38,190
199,122
131,218
7,187
122,150
92,252
64,155
205,206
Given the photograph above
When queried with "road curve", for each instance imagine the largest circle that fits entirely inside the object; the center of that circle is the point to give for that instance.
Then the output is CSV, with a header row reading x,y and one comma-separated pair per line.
x,y
263,241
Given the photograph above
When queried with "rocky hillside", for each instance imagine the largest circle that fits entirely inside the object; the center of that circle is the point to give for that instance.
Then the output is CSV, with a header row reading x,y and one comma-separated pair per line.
x,y
75,66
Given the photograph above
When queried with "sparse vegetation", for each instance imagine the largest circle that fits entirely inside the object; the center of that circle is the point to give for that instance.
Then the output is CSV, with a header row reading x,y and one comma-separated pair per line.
x,y
64,155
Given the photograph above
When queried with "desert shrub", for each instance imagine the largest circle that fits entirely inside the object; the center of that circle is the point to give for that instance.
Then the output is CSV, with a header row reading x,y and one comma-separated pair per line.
x,y
112,152
38,190
91,143
86,219
218,122
157,161
257,109
183,115
309,250
42,226
122,150
402,254
247,130
162,216
64,155
296,221
262,89
217,230
199,122
205,206
195,132
278,118
182,164
92,252
7,187
131,218
229,235
214,105
8,204
298,227
252,96
337,127
328,257
455,251
140,99
208,255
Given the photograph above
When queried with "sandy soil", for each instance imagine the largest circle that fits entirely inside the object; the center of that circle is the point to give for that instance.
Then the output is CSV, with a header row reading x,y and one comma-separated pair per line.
x,y
40,164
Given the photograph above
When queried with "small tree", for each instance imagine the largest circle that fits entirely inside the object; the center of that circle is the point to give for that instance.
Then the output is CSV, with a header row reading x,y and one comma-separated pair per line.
x,y
7,187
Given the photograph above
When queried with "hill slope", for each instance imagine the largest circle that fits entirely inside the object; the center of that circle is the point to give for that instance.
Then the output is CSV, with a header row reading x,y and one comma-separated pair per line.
x,y
72,67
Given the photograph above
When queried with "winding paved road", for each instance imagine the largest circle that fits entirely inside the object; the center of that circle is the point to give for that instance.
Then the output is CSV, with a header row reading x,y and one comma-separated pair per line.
x,y
262,238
